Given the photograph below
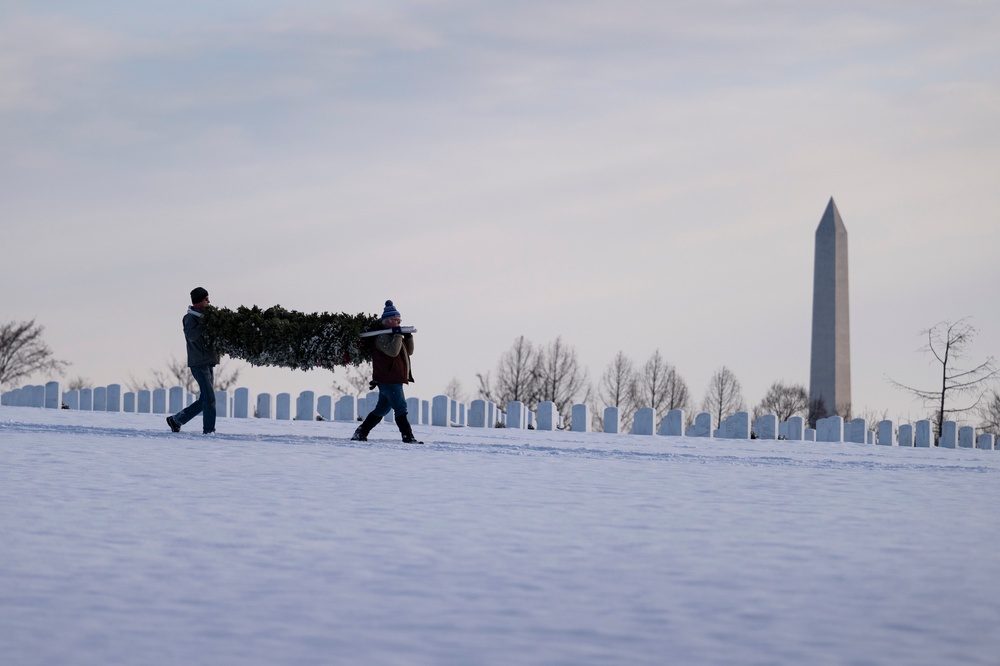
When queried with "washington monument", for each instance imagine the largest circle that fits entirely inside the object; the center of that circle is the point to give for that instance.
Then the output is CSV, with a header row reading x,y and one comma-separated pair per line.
x,y
830,368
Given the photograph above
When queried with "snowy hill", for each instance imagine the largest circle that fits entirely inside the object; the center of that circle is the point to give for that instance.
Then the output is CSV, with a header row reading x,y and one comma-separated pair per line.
x,y
285,543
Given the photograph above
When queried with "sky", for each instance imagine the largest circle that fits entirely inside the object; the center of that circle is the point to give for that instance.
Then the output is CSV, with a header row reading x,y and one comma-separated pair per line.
x,y
630,176
283,542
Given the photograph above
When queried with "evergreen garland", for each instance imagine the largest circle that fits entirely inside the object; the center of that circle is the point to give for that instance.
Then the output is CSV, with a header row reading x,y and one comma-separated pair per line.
x,y
289,339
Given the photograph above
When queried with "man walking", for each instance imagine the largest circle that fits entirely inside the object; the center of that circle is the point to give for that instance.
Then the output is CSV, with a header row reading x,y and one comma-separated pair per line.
x,y
202,361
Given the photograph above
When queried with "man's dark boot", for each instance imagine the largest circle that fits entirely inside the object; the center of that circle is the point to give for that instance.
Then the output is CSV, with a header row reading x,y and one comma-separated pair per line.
x,y
405,430
361,434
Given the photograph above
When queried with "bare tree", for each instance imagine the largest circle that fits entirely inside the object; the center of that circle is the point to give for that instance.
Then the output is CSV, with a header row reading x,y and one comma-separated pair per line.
x,y
24,353
79,382
948,342
562,379
818,410
357,380
784,401
517,376
989,413
617,388
454,390
724,396
661,387
872,417
177,373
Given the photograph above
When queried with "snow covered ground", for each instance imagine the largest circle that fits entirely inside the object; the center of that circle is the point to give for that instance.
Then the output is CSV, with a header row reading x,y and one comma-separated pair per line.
x,y
285,543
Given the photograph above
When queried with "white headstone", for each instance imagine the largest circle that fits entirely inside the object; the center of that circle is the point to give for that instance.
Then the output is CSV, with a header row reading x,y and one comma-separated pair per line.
x,y
263,405
672,424
36,396
702,425
144,405
547,415
175,399
346,408
305,406
766,427
114,398
906,435
738,426
644,421
949,435
580,418
477,414
967,437
985,441
413,410
439,410
241,403
283,406
222,404
516,417
796,429
86,400
53,396
858,429
923,435
611,423
810,435
491,414
72,399
830,429
101,399
160,401
886,433
129,402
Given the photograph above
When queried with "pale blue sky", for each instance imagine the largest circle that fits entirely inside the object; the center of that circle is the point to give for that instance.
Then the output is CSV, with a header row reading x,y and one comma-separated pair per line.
x,y
629,175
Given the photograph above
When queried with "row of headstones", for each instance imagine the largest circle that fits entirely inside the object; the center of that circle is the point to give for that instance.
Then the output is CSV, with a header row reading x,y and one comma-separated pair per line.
x,y
98,399
446,411
443,410
33,396
919,434
738,426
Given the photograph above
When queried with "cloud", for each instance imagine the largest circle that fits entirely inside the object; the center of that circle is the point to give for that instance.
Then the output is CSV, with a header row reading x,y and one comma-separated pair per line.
x,y
49,62
544,166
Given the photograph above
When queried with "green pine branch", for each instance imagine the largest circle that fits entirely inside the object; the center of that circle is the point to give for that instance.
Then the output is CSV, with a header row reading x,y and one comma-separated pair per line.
x,y
289,339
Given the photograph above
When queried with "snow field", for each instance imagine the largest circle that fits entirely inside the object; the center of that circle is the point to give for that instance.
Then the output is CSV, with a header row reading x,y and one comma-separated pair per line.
x,y
284,542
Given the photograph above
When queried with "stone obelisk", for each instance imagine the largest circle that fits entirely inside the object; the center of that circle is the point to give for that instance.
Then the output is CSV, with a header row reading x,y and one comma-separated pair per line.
x,y
830,368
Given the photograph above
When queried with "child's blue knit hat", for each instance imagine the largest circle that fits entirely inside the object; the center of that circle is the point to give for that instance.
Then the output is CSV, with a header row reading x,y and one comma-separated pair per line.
x,y
390,311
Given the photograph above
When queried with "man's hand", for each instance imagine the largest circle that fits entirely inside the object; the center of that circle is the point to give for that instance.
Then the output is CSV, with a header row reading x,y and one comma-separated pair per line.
x,y
396,330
